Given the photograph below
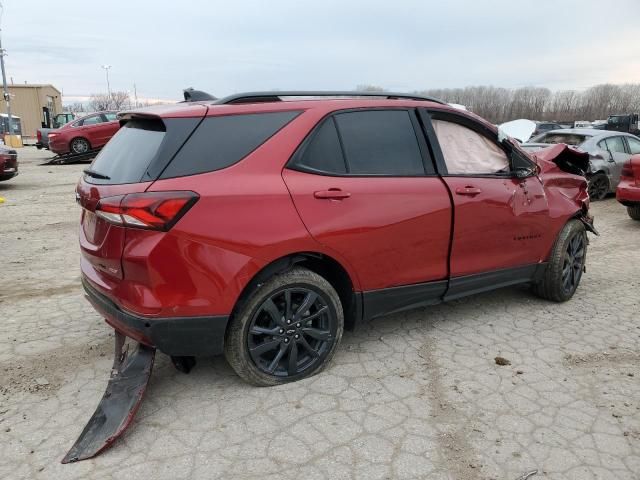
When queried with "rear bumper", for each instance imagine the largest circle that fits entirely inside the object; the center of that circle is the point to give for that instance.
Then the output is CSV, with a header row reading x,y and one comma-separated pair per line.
x,y
196,336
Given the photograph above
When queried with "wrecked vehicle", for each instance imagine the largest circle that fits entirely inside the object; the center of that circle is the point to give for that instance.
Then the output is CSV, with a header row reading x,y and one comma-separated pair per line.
x,y
262,225
628,191
608,151
8,163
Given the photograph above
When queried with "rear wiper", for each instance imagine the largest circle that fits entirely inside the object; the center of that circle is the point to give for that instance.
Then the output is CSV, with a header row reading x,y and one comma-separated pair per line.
x,y
94,174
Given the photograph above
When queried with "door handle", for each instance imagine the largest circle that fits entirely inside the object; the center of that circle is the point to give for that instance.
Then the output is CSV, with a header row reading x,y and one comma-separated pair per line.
x,y
331,194
468,190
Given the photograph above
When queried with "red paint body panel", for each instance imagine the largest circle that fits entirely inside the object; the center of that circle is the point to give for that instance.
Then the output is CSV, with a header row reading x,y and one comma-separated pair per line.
x,y
97,135
505,225
392,231
628,191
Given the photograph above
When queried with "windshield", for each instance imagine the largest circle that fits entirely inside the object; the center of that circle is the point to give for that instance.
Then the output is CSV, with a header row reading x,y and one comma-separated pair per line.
x,y
568,138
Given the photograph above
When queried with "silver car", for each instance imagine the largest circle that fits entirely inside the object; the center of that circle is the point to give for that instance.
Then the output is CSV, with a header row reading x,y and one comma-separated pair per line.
x,y
608,151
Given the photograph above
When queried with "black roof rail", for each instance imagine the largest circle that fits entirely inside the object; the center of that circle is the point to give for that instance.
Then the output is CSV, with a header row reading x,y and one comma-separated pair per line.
x,y
276,96
191,95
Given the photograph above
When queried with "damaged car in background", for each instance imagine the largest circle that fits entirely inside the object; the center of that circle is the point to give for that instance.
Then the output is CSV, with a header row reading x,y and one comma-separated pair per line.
x,y
628,191
261,225
608,152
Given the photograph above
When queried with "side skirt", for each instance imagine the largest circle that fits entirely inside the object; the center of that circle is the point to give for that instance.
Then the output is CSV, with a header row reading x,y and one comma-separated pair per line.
x,y
377,303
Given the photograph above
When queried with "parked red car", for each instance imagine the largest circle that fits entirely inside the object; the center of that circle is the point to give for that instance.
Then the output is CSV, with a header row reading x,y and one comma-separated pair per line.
x,y
628,191
8,163
260,228
84,134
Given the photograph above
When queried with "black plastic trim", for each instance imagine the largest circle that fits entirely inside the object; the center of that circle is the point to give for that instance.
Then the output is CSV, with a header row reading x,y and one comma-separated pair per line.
x,y
377,303
276,96
190,336
484,282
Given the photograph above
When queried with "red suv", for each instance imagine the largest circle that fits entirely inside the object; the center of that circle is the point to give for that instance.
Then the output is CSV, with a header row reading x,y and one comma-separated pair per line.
x,y
262,224
84,134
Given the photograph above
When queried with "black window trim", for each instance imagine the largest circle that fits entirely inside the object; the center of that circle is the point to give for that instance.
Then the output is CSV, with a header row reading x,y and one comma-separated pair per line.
x,y
427,114
428,166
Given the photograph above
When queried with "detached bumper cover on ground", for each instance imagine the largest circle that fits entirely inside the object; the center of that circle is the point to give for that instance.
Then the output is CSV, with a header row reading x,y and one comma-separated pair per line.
x,y
129,379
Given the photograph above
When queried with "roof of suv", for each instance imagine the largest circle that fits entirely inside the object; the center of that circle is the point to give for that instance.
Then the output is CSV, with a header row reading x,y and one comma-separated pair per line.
x,y
275,101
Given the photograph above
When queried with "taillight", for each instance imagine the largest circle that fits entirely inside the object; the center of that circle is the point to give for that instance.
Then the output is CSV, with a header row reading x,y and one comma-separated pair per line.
x,y
39,135
151,210
627,171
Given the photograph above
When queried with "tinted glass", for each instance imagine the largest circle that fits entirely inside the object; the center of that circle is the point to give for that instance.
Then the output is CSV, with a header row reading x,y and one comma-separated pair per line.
x,y
634,145
128,154
324,153
616,144
380,142
222,141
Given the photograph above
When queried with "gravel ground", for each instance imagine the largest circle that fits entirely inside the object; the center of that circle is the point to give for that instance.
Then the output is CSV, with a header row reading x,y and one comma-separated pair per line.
x,y
415,395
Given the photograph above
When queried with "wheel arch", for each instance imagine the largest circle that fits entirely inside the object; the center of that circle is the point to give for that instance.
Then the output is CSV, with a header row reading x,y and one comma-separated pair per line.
x,y
324,265
81,138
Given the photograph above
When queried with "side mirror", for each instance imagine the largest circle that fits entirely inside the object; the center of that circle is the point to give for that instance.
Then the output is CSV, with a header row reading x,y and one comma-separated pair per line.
x,y
525,172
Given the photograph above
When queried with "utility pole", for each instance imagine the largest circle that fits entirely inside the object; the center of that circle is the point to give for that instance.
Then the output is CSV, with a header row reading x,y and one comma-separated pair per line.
x,y
5,88
135,95
106,69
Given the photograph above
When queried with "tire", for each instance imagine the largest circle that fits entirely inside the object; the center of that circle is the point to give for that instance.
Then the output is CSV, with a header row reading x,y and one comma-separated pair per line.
x,y
566,264
634,212
260,340
598,186
79,146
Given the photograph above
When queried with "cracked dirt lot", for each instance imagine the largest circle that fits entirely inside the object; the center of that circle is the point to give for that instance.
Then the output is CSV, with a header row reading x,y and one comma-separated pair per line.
x,y
415,395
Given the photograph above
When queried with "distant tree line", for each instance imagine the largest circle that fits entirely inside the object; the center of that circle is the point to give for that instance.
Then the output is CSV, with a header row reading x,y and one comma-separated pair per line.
x,y
499,105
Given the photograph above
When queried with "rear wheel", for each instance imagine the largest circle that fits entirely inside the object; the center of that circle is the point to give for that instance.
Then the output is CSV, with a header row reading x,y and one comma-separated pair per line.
x,y
566,264
634,212
598,186
79,145
288,329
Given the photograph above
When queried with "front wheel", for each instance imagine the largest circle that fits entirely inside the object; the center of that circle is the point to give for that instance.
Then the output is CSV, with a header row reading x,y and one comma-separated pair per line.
x,y
288,329
634,212
566,264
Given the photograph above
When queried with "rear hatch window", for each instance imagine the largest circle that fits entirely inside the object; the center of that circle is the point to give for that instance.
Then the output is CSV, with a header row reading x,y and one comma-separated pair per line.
x,y
125,158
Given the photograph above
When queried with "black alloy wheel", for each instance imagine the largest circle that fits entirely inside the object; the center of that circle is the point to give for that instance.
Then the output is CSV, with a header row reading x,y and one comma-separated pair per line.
x,y
291,332
573,263
598,187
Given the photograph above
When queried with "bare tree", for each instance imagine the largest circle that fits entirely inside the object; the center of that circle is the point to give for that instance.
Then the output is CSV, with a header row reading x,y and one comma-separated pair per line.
x,y
369,88
102,101
74,107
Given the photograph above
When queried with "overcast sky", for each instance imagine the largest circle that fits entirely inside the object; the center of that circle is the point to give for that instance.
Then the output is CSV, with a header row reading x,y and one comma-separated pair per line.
x,y
240,45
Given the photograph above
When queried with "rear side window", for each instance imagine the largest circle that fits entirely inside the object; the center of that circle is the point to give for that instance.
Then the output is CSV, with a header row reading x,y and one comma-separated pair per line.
x,y
125,158
219,142
380,142
615,144
324,153
634,145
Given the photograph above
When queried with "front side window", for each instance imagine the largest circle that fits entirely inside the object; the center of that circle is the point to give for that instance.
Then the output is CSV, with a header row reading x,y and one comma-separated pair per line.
x,y
467,152
634,145
380,142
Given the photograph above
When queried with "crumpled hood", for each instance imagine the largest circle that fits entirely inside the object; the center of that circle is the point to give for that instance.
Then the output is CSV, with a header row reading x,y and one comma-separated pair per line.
x,y
565,157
